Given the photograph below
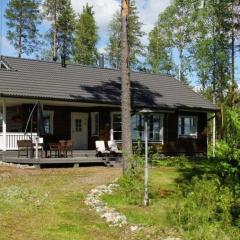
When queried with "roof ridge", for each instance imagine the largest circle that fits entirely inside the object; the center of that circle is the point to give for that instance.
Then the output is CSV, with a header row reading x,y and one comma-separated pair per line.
x,y
88,66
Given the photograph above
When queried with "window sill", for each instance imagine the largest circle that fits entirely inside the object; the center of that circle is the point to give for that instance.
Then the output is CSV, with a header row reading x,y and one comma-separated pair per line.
x,y
187,137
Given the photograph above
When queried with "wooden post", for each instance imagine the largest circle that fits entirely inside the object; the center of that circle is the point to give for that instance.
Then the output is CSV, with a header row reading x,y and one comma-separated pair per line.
x,y
214,135
4,125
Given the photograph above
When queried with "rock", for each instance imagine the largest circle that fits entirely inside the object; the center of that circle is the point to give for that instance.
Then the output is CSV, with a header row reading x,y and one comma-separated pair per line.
x,y
111,216
134,228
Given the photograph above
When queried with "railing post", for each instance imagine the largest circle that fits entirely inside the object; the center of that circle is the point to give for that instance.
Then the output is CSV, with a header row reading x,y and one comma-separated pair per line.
x,y
4,125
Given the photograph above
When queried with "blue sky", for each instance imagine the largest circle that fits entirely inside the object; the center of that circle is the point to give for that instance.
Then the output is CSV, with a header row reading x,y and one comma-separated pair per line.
x,y
104,10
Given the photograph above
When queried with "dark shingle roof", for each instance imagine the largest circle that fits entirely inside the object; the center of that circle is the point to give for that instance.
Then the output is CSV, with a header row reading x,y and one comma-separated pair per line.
x,y
49,80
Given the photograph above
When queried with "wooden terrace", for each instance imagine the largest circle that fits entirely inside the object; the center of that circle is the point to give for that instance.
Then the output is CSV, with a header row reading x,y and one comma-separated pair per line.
x,y
79,158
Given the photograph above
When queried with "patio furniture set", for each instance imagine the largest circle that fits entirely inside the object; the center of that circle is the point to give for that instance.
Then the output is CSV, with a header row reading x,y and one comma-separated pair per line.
x,y
111,150
64,148
59,149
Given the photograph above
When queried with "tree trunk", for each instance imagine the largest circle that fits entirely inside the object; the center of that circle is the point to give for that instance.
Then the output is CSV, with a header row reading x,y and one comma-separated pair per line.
x,y
20,32
180,77
55,32
126,88
234,84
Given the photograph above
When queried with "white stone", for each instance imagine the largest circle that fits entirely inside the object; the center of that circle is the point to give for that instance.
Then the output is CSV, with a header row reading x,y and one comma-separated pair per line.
x,y
134,228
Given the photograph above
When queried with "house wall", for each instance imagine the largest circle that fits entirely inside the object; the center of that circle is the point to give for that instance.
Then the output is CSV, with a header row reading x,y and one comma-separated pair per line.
x,y
189,146
62,123
62,127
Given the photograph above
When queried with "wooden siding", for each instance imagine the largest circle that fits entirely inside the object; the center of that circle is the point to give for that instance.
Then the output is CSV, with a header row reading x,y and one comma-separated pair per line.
x,y
189,146
172,144
62,123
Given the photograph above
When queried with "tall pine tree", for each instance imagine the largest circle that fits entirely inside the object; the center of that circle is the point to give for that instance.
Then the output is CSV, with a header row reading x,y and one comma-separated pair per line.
x,y
62,17
135,34
86,37
22,20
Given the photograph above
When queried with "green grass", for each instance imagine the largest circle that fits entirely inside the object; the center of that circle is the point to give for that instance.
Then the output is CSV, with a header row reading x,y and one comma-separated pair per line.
x,y
49,205
166,180
163,184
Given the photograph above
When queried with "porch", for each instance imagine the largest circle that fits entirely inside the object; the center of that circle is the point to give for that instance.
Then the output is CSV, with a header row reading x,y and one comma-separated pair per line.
x,y
80,158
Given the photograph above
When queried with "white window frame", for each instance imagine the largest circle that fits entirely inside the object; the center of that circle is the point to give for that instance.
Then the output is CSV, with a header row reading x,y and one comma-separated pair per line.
x,y
191,135
93,124
51,116
161,133
111,131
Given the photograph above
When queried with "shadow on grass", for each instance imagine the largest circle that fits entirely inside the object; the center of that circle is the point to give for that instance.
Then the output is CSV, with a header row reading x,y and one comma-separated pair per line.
x,y
195,167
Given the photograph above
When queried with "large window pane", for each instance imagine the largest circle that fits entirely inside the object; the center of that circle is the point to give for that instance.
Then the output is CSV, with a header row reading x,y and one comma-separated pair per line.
x,y
187,126
155,127
48,121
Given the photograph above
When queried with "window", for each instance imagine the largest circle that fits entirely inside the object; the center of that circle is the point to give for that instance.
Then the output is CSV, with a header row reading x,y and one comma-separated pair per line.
x,y
116,127
187,126
155,127
48,122
94,123
78,125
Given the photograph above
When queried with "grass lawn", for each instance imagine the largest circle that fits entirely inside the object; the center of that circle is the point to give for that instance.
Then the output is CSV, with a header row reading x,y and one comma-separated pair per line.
x,y
165,181
49,204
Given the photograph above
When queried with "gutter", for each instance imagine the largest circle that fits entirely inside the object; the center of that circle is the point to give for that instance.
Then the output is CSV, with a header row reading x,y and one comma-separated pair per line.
x,y
117,104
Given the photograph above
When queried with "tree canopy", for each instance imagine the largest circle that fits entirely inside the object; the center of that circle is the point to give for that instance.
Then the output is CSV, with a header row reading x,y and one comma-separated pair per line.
x,y
135,35
22,21
86,37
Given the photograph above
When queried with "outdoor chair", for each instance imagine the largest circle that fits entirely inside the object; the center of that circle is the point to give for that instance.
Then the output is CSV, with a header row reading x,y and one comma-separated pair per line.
x,y
40,145
54,148
101,149
24,146
112,145
65,147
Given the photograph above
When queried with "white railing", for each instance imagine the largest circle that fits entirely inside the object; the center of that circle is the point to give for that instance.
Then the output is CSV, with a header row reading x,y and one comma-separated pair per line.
x,y
13,137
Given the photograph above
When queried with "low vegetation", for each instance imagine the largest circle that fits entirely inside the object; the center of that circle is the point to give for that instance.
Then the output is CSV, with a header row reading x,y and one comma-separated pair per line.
x,y
188,200
49,204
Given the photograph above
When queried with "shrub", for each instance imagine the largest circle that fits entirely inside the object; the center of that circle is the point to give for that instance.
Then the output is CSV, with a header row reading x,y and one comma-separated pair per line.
x,y
132,183
228,151
178,161
204,210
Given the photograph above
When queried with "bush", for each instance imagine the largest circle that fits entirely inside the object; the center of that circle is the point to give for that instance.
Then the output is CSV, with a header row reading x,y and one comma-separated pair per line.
x,y
204,210
132,183
228,151
180,162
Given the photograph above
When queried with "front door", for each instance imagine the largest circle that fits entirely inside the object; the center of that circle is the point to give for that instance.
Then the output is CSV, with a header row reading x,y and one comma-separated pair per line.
x,y
79,128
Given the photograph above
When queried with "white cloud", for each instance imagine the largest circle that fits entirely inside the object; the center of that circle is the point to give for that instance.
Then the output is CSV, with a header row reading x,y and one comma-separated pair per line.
x,y
149,11
104,10
6,48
